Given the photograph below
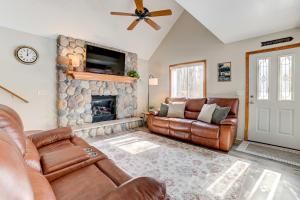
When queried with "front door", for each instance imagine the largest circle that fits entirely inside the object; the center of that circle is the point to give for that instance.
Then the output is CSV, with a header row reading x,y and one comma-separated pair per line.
x,y
274,98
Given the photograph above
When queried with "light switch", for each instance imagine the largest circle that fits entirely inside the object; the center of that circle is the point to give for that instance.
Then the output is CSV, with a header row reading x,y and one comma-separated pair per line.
x,y
42,93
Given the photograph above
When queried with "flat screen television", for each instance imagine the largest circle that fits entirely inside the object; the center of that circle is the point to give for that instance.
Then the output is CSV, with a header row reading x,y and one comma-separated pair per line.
x,y
105,61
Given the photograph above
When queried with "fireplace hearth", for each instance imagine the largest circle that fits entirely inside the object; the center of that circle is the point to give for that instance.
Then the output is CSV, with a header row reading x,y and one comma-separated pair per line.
x,y
103,108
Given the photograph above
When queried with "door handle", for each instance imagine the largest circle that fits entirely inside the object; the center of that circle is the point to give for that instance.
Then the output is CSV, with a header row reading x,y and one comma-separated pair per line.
x,y
251,102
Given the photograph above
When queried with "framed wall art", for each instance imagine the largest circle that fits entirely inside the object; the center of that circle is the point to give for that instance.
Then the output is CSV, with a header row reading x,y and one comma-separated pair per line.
x,y
224,71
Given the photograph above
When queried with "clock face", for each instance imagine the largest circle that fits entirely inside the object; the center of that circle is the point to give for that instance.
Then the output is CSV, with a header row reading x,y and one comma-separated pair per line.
x,y
27,55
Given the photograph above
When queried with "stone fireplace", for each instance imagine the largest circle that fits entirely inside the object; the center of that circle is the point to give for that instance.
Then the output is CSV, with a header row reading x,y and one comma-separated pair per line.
x,y
103,108
76,98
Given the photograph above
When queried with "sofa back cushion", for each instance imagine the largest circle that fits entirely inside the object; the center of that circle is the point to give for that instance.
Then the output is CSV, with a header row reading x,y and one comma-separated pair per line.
x,y
170,100
176,110
10,126
193,108
233,103
14,180
12,113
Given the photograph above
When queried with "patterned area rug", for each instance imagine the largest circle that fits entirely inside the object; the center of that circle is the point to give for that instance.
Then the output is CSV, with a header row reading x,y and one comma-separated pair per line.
x,y
280,154
190,172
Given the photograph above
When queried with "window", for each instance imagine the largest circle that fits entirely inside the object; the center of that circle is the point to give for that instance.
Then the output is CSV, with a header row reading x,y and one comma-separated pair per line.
x,y
188,80
263,66
286,78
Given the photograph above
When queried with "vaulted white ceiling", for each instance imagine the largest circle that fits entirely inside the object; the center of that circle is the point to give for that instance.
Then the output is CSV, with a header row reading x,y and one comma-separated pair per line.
x,y
235,20
90,20
229,20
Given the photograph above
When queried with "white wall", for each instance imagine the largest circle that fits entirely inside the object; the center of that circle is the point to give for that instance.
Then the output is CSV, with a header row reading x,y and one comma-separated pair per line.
x,y
29,80
188,40
142,86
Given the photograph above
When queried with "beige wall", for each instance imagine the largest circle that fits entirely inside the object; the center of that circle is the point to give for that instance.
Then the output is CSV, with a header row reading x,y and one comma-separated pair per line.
x,y
37,83
142,87
188,40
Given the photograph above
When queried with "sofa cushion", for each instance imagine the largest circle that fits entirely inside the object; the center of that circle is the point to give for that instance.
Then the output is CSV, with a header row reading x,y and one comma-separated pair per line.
x,y
233,103
163,111
14,180
86,183
205,130
13,114
176,109
170,100
220,114
181,124
13,129
55,146
195,105
162,122
63,158
207,112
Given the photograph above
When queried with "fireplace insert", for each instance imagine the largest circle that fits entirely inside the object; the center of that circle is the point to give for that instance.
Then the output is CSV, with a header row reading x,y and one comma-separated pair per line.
x,y
103,108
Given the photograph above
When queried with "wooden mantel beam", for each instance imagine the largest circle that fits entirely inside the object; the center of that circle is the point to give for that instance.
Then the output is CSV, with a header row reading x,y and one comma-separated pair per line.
x,y
14,94
101,77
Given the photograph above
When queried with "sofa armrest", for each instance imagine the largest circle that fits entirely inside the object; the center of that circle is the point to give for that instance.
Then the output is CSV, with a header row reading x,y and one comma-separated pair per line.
x,y
48,137
228,131
145,188
229,121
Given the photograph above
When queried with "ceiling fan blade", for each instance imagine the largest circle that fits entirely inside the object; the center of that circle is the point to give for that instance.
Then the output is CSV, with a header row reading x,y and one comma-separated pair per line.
x,y
139,5
133,24
122,14
152,24
160,13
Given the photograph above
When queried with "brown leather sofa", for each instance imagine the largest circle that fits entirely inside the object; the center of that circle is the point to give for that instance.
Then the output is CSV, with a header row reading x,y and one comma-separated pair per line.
x,y
219,136
54,164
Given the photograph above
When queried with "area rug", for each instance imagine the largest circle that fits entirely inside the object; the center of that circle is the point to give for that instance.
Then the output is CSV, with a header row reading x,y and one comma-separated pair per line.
x,y
280,154
190,172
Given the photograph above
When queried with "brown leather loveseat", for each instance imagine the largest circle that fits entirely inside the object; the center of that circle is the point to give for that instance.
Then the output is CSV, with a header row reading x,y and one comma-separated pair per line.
x,y
219,136
53,164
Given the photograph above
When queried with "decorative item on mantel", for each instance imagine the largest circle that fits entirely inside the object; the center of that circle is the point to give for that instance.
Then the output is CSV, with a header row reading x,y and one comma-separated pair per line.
x,y
133,74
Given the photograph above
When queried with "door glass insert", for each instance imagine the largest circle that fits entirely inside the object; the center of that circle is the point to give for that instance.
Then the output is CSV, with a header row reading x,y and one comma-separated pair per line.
x,y
286,78
263,66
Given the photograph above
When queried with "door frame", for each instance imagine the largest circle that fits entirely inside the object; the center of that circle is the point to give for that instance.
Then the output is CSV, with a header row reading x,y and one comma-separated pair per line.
x,y
248,54
187,63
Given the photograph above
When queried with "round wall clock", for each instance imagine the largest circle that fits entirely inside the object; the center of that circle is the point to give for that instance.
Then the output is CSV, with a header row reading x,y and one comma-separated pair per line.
x,y
26,55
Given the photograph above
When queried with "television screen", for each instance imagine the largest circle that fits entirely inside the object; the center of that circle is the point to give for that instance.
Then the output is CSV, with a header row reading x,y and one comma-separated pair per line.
x,y
104,61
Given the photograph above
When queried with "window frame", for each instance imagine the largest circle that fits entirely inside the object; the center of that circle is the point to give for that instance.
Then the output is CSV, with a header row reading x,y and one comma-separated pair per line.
x,y
182,65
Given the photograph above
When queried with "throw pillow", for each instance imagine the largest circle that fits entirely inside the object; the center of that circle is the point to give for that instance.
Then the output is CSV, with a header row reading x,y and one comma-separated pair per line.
x,y
207,112
163,112
220,114
176,110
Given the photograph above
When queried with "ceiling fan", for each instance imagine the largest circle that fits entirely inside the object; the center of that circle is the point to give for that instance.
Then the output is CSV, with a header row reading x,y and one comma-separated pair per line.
x,y
143,13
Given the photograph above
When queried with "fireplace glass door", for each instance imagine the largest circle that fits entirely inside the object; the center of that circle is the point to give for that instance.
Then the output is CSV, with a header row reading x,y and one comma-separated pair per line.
x,y
103,108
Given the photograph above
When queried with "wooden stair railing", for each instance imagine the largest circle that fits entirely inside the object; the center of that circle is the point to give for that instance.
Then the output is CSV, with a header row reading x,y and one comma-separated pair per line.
x,y
14,94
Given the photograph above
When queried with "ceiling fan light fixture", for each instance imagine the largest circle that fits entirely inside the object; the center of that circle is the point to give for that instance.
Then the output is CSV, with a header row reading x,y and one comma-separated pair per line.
x,y
143,13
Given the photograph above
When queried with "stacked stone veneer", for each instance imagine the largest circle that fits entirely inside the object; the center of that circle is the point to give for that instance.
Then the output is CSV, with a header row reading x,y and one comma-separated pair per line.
x,y
107,129
75,96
